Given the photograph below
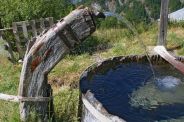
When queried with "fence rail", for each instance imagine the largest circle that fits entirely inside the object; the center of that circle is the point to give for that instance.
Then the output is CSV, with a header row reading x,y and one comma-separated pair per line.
x,y
10,98
22,32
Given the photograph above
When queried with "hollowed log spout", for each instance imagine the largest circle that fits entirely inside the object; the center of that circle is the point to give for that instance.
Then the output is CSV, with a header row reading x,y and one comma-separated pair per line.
x,y
43,53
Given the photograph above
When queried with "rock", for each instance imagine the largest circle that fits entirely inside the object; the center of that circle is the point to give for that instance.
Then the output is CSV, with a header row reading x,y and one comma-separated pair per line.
x,y
168,83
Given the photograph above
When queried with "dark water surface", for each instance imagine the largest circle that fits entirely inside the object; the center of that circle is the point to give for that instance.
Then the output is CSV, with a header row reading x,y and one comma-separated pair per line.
x,y
130,92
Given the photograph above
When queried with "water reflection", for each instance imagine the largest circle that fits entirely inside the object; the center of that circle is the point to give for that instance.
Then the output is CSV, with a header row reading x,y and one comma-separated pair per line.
x,y
130,92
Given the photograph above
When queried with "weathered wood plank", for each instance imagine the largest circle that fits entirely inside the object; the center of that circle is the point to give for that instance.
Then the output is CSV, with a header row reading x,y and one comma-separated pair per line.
x,y
25,32
13,98
33,25
39,24
161,50
17,41
10,98
163,23
24,27
42,25
51,21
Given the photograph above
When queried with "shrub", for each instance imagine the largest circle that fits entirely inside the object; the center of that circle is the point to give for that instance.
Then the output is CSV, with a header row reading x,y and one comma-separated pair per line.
x,y
19,10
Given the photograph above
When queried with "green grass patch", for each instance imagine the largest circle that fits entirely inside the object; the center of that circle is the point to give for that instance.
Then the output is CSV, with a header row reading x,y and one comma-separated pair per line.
x,y
64,78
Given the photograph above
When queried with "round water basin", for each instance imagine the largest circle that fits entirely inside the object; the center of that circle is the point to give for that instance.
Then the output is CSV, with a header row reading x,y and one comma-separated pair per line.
x,y
130,89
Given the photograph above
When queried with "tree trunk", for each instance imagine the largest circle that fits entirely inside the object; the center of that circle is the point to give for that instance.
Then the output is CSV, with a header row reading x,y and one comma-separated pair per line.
x,y
43,54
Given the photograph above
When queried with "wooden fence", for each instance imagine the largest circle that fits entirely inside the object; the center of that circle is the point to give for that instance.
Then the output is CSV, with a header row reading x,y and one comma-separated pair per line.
x,y
22,32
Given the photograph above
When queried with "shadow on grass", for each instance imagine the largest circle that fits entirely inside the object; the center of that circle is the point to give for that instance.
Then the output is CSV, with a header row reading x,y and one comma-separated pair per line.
x,y
91,45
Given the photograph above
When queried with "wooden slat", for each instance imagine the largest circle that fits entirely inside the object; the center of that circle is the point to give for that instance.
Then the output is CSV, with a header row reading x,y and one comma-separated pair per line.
x,y
10,98
25,32
25,27
6,29
51,21
18,42
42,25
33,25
13,98
19,23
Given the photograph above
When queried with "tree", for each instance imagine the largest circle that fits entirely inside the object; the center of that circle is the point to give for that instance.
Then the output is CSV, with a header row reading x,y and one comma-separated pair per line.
x,y
19,10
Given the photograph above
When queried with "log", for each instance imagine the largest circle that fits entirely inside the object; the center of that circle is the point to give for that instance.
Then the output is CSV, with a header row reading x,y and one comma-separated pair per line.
x,y
48,49
161,50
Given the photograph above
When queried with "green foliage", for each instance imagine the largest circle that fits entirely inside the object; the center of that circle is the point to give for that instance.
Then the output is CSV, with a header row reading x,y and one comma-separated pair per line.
x,y
176,24
174,40
174,5
111,22
67,105
70,68
142,27
135,12
154,7
92,44
19,10
9,79
9,112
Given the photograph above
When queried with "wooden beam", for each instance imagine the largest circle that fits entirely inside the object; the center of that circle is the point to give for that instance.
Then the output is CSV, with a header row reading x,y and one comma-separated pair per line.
x,y
161,50
6,29
10,98
13,98
163,23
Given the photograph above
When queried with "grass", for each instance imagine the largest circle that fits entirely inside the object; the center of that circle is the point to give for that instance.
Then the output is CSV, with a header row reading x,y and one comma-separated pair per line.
x,y
64,78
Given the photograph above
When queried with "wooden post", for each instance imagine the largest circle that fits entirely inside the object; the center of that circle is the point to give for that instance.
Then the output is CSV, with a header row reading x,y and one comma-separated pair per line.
x,y
43,54
163,23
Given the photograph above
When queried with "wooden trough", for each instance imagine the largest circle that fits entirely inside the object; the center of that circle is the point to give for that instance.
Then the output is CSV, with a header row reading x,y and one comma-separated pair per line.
x,y
91,106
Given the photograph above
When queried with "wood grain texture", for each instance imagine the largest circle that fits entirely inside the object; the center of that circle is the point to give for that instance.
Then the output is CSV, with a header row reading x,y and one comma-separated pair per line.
x,y
46,51
10,98
161,50
163,22
17,41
